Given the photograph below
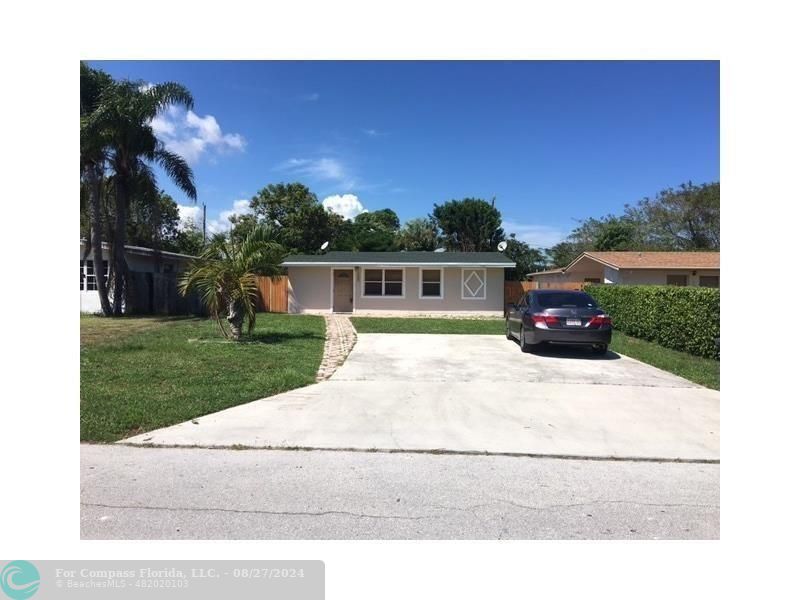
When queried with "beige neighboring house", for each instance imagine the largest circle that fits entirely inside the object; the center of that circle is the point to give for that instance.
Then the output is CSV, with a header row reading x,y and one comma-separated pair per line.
x,y
634,268
402,283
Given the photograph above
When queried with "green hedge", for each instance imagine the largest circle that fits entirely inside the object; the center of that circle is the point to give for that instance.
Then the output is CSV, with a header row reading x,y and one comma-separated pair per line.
x,y
681,318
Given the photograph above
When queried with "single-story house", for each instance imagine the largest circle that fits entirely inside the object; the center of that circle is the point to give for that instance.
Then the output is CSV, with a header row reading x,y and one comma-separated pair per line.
x,y
468,283
140,261
635,268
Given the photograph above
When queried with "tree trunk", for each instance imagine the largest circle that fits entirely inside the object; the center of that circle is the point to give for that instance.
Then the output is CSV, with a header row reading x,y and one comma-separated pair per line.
x,y
118,245
235,319
95,183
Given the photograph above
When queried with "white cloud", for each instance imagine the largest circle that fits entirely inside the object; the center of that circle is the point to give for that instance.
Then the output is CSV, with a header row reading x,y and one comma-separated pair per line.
x,y
370,132
538,236
190,215
190,135
325,169
219,224
347,205
312,97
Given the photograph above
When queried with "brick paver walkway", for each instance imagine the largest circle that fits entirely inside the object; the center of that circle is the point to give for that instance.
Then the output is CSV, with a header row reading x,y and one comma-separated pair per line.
x,y
340,337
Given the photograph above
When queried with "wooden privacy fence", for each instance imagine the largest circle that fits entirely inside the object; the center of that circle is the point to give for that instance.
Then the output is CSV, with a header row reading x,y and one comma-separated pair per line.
x,y
513,290
273,294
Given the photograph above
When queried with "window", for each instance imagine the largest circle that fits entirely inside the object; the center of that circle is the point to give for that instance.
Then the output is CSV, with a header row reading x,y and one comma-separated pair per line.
x,y
473,284
430,283
709,281
677,280
383,282
88,279
565,300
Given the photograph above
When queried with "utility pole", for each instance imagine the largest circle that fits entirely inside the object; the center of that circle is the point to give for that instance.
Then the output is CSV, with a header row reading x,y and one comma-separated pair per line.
x,y
204,222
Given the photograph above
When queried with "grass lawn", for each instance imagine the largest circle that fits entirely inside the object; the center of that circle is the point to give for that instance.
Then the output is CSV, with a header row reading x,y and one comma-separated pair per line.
x,y
139,374
704,371
427,325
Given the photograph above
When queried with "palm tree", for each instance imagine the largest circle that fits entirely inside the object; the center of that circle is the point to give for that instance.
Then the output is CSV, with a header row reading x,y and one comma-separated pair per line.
x,y
123,119
93,160
226,276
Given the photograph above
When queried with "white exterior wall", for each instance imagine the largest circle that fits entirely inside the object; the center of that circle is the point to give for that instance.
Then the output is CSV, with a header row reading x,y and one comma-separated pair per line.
x,y
310,291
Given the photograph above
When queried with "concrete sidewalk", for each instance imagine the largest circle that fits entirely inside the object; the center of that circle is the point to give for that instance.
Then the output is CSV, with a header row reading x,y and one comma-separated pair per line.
x,y
474,394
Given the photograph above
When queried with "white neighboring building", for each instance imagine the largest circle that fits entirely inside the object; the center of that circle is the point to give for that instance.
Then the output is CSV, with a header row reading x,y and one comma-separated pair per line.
x,y
140,260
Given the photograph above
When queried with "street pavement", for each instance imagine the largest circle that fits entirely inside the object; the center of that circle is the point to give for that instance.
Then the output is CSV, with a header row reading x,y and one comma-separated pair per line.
x,y
190,493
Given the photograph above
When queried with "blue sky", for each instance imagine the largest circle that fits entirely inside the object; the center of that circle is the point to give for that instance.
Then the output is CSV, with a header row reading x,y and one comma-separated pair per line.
x,y
553,142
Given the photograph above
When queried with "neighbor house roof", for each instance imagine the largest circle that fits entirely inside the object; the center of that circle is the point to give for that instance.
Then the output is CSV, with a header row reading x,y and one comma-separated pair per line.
x,y
391,259
645,260
654,260
146,251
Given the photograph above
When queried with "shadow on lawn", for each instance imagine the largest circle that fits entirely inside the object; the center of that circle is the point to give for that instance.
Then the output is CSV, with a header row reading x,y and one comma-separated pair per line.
x,y
260,338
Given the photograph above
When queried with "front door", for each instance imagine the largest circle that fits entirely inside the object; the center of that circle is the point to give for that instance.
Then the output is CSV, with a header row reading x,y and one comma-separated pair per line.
x,y
342,290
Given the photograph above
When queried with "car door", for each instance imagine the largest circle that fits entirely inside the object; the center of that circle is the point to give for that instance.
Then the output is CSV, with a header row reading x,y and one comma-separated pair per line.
x,y
515,314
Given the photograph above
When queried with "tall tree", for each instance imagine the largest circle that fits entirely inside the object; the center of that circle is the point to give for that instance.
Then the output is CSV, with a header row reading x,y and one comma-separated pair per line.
x,y
302,223
124,114
188,240
684,219
418,234
617,234
375,231
528,259
94,84
563,253
153,220
468,225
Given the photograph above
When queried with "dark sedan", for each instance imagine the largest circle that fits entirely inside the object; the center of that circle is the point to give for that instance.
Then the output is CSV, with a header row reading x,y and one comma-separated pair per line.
x,y
558,316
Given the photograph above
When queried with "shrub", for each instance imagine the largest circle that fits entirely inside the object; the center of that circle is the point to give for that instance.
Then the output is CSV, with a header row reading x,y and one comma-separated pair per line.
x,y
681,318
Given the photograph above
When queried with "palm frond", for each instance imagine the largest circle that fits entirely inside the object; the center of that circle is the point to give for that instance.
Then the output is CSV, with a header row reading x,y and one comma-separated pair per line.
x,y
177,169
226,273
162,95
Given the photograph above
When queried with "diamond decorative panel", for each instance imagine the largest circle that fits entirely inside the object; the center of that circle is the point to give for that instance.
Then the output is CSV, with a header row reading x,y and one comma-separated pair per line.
x,y
473,284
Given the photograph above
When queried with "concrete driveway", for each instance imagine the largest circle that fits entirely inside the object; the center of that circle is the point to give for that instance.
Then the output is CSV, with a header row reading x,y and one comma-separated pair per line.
x,y
473,393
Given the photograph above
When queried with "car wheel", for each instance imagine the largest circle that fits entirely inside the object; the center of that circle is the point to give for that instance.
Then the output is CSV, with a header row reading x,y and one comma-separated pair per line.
x,y
508,332
522,345
600,348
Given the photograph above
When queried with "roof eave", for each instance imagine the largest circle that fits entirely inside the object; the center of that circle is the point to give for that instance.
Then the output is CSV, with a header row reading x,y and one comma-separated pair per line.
x,y
508,265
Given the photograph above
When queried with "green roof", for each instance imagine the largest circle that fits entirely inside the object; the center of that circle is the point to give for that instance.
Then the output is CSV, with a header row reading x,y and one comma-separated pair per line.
x,y
471,259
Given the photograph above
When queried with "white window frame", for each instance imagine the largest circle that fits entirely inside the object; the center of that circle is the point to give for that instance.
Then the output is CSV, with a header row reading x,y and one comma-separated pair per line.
x,y
85,270
383,281
464,278
441,284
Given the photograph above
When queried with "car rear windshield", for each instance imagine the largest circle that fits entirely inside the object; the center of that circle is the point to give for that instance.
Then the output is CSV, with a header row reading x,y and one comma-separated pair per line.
x,y
565,300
